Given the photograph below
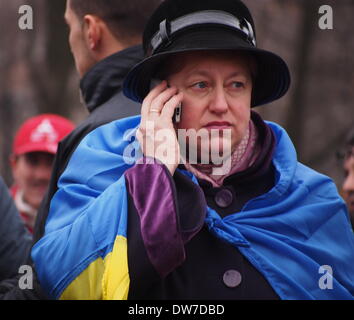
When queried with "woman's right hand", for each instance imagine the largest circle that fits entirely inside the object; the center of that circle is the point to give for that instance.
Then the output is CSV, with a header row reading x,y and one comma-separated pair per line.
x,y
156,134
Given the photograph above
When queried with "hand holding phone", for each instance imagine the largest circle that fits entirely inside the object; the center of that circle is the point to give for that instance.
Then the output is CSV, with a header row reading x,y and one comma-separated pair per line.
x,y
160,108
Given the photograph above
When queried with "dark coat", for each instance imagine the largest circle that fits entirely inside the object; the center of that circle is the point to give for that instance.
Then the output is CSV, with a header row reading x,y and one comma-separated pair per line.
x,y
15,241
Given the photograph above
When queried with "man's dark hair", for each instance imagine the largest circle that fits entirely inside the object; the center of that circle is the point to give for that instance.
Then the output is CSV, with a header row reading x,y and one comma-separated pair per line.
x,y
350,139
125,18
348,148
350,144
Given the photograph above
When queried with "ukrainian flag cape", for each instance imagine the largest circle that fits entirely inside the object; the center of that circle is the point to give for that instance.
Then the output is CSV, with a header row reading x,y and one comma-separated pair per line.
x,y
297,235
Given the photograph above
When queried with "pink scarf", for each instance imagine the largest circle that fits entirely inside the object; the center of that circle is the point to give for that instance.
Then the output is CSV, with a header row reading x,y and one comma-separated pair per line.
x,y
242,158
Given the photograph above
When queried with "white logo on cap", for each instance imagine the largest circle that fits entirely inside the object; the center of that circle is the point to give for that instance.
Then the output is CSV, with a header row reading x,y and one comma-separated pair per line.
x,y
44,131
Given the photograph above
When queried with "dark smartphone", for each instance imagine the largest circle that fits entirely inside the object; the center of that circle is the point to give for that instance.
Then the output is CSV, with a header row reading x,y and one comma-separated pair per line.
x,y
177,114
178,111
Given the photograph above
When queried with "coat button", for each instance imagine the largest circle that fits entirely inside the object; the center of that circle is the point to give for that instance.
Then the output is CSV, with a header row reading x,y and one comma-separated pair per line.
x,y
224,198
232,278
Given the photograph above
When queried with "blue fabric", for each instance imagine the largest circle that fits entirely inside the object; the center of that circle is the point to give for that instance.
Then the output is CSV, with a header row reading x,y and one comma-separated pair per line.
x,y
287,233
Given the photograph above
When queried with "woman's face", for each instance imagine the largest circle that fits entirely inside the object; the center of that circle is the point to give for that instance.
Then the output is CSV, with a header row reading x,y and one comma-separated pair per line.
x,y
217,89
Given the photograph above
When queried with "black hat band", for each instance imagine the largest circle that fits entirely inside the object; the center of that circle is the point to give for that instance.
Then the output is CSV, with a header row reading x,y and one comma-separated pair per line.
x,y
199,18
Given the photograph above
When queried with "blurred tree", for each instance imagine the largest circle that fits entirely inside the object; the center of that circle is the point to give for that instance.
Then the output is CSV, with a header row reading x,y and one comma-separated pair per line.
x,y
318,110
296,113
36,69
50,74
7,63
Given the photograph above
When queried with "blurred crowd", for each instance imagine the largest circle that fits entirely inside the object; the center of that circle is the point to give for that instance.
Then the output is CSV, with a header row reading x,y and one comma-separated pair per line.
x,y
104,50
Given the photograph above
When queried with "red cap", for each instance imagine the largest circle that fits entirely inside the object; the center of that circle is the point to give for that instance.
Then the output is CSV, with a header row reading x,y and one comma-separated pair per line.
x,y
41,134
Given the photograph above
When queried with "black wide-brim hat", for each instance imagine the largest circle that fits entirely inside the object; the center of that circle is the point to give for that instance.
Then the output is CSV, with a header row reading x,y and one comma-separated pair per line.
x,y
179,26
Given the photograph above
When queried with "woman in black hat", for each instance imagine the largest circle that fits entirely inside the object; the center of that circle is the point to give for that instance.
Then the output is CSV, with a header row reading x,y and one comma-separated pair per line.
x,y
237,218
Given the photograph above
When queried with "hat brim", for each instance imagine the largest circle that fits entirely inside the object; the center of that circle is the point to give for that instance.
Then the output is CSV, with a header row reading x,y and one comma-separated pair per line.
x,y
29,148
272,78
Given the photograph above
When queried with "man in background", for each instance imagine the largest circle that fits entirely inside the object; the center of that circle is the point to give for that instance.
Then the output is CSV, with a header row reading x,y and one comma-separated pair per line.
x,y
105,40
34,148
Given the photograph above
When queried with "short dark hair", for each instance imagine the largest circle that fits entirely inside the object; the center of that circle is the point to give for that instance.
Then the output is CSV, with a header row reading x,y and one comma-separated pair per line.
x,y
348,148
350,144
125,18
350,138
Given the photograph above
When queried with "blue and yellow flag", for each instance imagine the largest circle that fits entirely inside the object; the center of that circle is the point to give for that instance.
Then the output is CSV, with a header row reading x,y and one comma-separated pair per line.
x,y
290,234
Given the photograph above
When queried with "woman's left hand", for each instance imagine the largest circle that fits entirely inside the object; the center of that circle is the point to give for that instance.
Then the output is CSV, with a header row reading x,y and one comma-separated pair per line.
x,y
156,134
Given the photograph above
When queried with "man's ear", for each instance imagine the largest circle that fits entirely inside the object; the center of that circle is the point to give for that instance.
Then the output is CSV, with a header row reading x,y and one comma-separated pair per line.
x,y
93,31
14,166
13,161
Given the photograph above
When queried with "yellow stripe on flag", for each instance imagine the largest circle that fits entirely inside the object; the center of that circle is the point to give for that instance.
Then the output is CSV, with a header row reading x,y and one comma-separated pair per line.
x,y
106,279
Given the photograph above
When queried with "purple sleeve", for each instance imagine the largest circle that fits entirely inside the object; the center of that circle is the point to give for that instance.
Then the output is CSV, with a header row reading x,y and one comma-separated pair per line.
x,y
171,212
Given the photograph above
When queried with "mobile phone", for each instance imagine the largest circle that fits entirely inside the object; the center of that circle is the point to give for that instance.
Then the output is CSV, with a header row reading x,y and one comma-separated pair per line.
x,y
177,114
178,111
